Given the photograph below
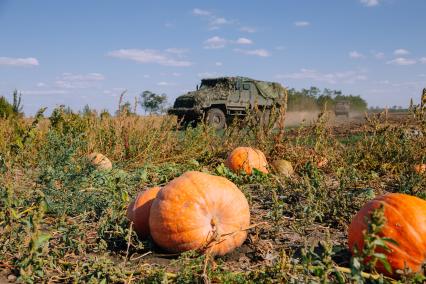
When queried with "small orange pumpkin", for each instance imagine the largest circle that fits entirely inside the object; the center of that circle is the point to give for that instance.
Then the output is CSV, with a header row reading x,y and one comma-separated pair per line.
x,y
405,223
246,159
198,211
322,162
138,211
99,161
420,168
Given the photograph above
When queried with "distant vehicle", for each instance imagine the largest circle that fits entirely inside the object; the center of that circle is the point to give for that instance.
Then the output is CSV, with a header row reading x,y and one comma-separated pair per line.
x,y
219,100
342,108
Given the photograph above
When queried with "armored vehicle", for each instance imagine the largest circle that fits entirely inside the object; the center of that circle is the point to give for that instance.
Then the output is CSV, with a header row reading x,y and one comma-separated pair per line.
x,y
219,100
342,108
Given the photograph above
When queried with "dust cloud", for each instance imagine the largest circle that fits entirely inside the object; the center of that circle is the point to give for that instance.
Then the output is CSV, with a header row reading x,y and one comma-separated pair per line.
x,y
296,118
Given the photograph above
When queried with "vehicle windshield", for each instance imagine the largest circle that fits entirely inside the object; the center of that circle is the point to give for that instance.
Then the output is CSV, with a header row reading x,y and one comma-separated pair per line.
x,y
215,83
208,84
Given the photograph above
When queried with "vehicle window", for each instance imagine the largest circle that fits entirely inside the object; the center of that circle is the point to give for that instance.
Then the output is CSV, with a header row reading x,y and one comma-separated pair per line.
x,y
237,86
246,86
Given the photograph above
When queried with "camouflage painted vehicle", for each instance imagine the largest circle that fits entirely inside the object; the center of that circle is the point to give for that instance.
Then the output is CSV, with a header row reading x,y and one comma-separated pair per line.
x,y
219,100
342,108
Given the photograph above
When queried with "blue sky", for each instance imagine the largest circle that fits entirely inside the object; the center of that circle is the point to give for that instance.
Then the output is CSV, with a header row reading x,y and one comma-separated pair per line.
x,y
88,52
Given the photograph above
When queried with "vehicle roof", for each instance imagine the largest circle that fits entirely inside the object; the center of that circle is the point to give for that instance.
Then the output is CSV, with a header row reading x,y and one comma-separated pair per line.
x,y
235,78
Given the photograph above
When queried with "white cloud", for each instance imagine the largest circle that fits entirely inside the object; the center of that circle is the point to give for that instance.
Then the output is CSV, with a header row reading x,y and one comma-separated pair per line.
x,y
243,40
379,55
356,55
149,56
302,24
219,42
19,62
402,61
41,84
215,42
408,84
348,77
208,75
218,64
163,83
219,21
214,22
200,12
146,76
384,82
169,25
176,50
248,29
79,81
176,74
44,92
401,51
423,60
370,3
256,52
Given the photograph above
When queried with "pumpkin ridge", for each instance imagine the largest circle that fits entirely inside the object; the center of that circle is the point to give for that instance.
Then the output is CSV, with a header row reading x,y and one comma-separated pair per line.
x,y
178,229
259,154
180,232
246,161
412,231
202,192
207,203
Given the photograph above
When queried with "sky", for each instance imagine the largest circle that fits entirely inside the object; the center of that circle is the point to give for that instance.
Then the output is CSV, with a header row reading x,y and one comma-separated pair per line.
x,y
88,52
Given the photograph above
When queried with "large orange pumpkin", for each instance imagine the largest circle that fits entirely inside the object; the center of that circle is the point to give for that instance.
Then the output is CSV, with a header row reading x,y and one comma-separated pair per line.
x,y
405,223
198,211
138,211
246,159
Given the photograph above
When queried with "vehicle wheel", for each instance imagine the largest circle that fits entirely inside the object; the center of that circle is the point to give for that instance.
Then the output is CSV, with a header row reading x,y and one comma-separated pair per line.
x,y
216,118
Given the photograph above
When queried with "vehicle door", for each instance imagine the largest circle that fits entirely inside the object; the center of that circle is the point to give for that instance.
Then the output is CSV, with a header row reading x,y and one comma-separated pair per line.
x,y
234,96
246,91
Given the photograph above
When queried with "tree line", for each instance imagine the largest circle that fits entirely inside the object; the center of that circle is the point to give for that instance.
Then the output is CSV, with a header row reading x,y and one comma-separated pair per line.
x,y
316,99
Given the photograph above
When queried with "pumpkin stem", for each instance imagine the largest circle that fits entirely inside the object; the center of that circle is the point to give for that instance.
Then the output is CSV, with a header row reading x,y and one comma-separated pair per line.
x,y
214,222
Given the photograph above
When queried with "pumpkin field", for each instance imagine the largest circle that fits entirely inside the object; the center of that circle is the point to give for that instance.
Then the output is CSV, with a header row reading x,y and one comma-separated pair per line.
x,y
88,198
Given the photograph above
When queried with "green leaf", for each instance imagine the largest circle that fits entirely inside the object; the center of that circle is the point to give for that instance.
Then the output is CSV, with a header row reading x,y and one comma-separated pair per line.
x,y
386,265
220,169
380,243
356,263
379,255
339,276
390,240
41,240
